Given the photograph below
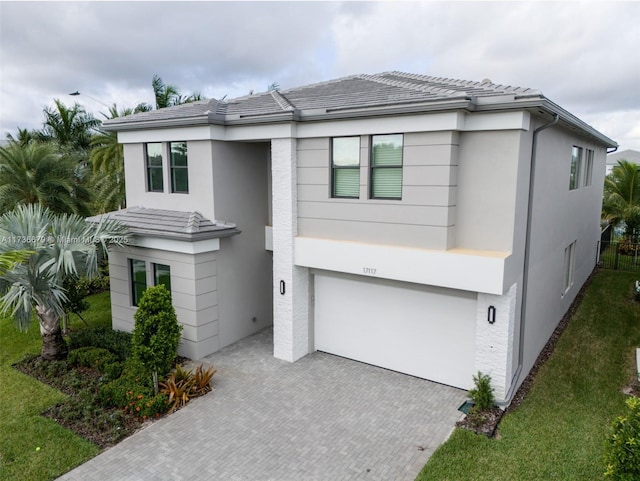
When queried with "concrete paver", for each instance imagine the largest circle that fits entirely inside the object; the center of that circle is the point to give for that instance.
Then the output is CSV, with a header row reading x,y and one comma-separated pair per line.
x,y
320,418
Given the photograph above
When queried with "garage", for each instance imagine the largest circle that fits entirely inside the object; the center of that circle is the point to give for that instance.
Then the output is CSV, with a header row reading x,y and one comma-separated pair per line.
x,y
424,331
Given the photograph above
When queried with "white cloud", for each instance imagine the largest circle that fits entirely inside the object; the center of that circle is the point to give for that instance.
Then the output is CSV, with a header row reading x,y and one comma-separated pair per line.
x,y
581,55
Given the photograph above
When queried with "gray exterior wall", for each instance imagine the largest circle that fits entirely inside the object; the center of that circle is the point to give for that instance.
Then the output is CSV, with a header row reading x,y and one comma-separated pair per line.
x,y
486,195
223,296
425,216
194,293
560,217
200,196
244,267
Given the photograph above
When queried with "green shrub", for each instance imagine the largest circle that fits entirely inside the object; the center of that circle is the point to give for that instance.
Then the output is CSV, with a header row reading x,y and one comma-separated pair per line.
x,y
482,393
93,357
133,397
94,285
118,342
622,452
156,333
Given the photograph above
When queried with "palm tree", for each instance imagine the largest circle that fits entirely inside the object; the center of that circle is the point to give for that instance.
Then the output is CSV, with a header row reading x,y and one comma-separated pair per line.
x,y
63,245
69,126
107,159
37,173
621,201
169,95
25,136
10,259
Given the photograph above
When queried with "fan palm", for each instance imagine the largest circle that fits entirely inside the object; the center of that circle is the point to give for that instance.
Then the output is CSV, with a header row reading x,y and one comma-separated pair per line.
x,y
63,245
37,173
621,201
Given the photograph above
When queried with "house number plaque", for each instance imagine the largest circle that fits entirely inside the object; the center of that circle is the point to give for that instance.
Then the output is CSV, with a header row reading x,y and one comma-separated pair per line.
x,y
370,271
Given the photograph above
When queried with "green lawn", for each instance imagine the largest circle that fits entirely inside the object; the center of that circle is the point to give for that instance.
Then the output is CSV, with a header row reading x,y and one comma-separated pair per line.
x,y
559,430
23,398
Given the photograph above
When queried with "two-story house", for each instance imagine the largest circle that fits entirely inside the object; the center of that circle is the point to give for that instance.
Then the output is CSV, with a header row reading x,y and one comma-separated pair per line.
x,y
431,226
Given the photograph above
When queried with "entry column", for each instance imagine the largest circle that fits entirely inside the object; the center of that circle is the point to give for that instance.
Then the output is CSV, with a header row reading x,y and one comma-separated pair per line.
x,y
290,283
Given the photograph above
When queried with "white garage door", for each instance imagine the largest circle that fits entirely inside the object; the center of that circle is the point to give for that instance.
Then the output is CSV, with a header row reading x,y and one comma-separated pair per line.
x,y
425,332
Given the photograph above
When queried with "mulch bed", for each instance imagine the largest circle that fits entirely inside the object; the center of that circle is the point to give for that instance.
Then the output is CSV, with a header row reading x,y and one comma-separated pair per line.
x,y
491,417
487,422
104,427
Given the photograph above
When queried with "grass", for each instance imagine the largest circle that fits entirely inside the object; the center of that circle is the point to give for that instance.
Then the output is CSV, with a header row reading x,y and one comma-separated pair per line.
x,y
23,398
559,430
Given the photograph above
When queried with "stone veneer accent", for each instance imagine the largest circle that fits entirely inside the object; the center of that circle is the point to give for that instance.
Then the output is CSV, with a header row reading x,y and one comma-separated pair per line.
x,y
494,342
291,310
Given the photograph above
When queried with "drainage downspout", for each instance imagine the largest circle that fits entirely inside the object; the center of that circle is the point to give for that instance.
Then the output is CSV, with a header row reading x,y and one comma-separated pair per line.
x,y
527,249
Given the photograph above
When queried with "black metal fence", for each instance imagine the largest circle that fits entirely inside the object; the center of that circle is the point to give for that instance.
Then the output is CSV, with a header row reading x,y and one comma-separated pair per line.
x,y
623,255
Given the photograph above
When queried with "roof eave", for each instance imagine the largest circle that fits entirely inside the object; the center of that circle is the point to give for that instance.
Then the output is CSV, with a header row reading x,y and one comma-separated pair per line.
x,y
200,236
163,123
544,104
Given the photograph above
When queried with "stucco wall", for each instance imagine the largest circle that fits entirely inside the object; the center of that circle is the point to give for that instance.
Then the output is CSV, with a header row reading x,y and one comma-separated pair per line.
x,y
560,217
244,267
425,215
200,196
486,194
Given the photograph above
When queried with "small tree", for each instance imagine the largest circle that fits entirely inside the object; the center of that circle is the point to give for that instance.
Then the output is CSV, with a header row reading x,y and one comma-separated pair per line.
x,y
156,333
482,393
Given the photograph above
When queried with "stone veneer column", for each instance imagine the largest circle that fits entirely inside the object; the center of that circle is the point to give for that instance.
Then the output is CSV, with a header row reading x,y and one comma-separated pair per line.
x,y
291,310
494,342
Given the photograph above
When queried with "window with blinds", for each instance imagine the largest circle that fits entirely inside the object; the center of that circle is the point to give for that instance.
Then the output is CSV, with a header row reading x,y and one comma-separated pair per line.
x,y
386,166
345,167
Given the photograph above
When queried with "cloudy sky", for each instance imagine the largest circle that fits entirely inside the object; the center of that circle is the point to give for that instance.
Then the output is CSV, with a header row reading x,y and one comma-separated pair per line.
x,y
583,56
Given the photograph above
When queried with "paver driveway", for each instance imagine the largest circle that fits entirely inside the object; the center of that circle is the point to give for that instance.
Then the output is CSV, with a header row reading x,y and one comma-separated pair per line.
x,y
321,418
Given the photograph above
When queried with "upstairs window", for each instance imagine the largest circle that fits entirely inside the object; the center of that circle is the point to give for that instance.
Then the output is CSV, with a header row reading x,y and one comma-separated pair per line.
x,y
345,167
138,275
576,161
162,275
179,169
154,167
386,166
588,168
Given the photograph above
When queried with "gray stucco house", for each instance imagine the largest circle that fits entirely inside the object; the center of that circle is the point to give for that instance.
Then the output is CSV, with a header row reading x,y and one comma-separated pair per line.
x,y
431,226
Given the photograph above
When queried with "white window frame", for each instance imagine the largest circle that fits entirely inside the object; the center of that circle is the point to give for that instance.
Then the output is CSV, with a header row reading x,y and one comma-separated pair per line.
x,y
569,267
335,167
576,167
588,167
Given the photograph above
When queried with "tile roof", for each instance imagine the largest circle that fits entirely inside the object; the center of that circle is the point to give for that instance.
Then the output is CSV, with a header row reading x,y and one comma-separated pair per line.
x,y
170,224
352,92
387,93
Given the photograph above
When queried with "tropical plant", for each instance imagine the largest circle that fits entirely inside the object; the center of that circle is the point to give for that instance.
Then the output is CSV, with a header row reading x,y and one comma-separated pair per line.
x,y
622,449
36,173
107,159
156,332
63,245
621,199
9,260
169,95
69,126
25,136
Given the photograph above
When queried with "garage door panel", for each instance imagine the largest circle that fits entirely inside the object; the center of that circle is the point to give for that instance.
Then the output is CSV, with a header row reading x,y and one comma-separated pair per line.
x,y
425,332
